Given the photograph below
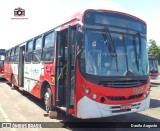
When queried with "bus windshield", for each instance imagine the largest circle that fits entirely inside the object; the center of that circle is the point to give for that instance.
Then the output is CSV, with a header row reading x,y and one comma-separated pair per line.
x,y
153,65
122,55
1,63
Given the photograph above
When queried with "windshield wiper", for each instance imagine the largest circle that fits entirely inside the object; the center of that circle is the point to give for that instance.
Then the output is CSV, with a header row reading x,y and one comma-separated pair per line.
x,y
125,55
139,37
135,52
110,43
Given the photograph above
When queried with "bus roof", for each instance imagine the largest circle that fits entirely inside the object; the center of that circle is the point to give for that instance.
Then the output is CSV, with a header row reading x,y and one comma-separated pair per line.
x,y
79,15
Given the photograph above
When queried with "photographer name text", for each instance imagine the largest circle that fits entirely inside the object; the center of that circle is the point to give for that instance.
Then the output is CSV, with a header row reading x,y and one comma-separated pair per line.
x,y
144,125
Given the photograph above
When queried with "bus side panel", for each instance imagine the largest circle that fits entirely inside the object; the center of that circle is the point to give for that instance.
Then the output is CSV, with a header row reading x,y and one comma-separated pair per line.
x,y
35,82
1,72
15,73
49,75
49,72
35,74
1,68
8,71
36,88
27,76
78,93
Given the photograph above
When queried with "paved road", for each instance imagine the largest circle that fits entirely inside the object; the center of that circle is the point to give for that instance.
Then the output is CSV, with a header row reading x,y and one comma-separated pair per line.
x,y
17,106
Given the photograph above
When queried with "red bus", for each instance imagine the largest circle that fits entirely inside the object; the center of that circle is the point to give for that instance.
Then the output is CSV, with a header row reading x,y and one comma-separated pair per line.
x,y
2,55
153,66
94,65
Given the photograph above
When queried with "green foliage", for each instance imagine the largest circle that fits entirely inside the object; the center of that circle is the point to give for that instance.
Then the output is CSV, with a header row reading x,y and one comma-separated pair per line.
x,y
154,49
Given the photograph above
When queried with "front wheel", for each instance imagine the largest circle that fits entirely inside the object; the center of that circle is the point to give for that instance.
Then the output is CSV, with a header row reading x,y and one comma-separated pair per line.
x,y
48,99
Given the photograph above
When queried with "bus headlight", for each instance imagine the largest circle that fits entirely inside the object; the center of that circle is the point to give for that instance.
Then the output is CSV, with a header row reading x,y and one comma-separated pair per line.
x,y
147,93
87,91
94,96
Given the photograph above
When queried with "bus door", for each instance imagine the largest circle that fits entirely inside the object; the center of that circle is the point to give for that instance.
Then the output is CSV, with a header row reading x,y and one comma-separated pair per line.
x,y
65,68
21,66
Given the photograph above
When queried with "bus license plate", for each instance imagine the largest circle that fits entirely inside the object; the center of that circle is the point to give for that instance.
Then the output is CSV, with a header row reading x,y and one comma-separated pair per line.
x,y
125,107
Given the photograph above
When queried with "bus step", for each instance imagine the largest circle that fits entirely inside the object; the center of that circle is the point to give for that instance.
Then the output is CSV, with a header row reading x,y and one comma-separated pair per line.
x,y
62,108
71,110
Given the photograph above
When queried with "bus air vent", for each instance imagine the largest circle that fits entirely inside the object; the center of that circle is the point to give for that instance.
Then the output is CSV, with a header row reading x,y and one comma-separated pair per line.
x,y
121,98
123,84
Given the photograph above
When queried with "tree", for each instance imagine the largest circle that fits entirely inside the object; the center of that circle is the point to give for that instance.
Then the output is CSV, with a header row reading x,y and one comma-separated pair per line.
x,y
154,49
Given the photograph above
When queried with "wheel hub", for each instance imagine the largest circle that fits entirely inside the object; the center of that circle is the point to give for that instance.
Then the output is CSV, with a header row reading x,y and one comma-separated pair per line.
x,y
47,101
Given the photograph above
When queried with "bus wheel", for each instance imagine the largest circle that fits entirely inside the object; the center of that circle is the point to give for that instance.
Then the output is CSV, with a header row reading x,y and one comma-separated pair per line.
x,y
12,83
48,99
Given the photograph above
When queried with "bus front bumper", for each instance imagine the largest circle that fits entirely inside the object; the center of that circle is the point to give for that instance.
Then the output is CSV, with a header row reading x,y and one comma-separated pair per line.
x,y
88,108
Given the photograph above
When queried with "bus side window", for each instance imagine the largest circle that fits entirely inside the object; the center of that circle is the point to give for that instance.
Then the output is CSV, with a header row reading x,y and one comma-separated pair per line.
x,y
48,47
6,58
15,59
28,57
37,53
29,49
12,55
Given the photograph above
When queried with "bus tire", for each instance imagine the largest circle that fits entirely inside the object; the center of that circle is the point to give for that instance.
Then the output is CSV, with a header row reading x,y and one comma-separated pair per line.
x,y
52,114
48,99
12,82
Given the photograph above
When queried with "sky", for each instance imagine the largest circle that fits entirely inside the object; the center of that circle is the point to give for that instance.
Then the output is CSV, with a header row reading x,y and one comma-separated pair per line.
x,y
43,15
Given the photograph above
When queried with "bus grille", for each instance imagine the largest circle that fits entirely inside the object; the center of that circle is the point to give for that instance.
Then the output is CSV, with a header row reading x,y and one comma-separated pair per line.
x,y
123,84
121,98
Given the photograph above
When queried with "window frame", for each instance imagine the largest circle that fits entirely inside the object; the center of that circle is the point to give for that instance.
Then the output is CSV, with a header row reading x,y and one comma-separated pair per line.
x,y
27,52
28,44
36,40
44,61
11,58
36,50
6,58
16,54
45,35
53,47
